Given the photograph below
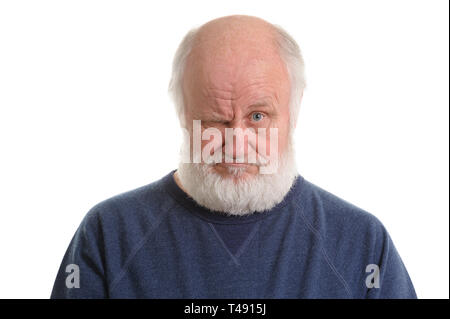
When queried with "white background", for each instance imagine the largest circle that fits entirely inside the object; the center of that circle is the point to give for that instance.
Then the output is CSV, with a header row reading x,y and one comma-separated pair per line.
x,y
85,115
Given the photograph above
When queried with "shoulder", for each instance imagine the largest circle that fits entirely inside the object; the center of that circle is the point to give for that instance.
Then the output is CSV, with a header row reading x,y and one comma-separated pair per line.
x,y
351,239
348,234
117,227
331,215
134,211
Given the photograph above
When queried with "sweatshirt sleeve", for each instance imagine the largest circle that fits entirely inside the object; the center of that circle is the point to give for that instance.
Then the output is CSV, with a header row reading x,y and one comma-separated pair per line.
x,y
82,273
394,281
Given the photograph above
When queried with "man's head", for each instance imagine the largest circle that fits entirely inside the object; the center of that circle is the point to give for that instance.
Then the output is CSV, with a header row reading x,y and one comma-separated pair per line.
x,y
239,72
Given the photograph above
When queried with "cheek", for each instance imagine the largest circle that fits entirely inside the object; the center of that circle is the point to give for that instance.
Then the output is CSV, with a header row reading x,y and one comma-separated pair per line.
x,y
284,129
283,136
280,137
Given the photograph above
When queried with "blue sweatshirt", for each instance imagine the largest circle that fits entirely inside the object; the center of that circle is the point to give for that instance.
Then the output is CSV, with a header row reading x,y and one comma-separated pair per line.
x,y
156,242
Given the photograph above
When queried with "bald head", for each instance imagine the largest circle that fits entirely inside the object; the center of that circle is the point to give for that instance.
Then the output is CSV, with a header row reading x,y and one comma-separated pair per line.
x,y
235,34
224,49
220,50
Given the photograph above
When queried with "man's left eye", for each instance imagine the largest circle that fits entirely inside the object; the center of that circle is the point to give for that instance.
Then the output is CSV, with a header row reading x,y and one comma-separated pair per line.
x,y
257,116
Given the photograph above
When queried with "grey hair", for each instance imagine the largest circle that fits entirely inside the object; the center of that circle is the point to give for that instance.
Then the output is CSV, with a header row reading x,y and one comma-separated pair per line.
x,y
289,52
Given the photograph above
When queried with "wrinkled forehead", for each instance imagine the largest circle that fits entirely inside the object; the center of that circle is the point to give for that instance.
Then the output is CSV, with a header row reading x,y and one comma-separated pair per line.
x,y
234,69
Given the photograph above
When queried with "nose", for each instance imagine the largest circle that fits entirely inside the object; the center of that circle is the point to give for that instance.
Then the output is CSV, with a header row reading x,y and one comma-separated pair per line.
x,y
236,142
239,149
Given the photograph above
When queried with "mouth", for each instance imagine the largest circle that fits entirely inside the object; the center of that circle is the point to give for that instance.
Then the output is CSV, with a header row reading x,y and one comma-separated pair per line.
x,y
234,164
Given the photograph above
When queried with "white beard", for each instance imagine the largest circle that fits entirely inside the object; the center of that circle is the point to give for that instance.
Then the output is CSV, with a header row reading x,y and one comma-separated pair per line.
x,y
235,196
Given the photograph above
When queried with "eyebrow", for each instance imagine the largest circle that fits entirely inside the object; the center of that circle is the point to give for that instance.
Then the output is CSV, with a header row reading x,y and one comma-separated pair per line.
x,y
262,103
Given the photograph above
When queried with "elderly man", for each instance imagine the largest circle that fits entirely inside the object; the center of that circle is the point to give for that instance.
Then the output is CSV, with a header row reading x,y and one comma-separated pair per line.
x,y
235,220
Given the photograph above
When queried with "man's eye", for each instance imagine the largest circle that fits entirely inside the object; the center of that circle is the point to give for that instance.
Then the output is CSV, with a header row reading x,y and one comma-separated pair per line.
x,y
257,116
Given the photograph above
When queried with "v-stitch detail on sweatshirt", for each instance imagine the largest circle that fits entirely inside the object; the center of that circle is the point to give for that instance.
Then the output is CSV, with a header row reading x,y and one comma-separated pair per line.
x,y
241,249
